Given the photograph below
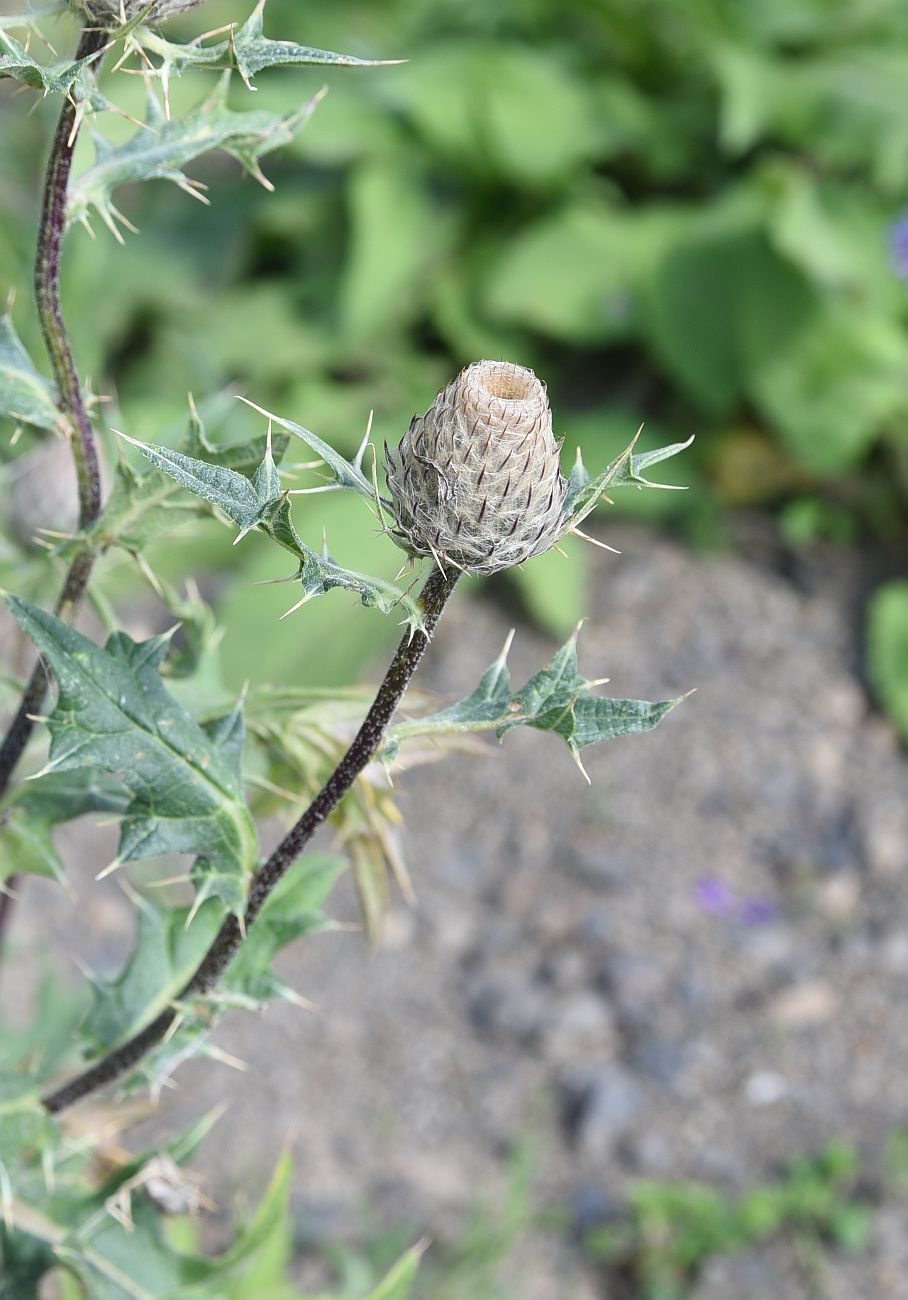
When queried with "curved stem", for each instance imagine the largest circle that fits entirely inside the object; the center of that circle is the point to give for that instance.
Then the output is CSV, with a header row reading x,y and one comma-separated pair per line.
x,y
47,292
71,402
233,931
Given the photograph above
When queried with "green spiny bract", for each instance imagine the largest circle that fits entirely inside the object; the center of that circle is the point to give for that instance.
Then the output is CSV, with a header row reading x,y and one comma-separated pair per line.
x,y
477,480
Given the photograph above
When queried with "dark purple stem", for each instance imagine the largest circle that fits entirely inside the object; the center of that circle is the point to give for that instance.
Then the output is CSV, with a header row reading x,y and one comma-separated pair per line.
x,y
71,402
232,933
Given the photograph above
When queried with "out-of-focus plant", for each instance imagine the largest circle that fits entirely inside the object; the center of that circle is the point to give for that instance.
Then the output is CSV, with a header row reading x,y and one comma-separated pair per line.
x,y
887,650
140,730
671,1229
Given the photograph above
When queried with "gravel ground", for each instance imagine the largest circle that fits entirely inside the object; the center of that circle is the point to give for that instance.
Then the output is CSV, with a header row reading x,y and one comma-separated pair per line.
x,y
697,967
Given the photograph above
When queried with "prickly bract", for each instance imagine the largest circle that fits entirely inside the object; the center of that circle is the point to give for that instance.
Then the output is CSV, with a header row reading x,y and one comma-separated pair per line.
x,y
109,13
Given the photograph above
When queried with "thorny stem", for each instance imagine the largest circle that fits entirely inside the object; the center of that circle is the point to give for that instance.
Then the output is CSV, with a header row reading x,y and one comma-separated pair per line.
x,y
230,937
72,404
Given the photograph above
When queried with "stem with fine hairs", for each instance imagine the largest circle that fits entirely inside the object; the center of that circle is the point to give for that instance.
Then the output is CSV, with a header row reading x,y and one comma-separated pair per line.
x,y
71,402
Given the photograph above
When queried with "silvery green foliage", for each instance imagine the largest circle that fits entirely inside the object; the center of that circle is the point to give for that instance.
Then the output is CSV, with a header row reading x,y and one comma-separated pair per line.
x,y
247,49
260,503
556,699
26,397
162,148
585,493
113,714
477,480
59,77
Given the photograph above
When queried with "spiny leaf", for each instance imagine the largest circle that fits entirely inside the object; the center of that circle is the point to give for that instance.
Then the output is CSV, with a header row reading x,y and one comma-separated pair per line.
x,y
24,1123
41,1048
232,493
143,506
113,713
246,49
25,395
319,573
347,474
26,825
63,77
128,1255
170,943
556,699
293,909
162,149
625,470
260,503
167,949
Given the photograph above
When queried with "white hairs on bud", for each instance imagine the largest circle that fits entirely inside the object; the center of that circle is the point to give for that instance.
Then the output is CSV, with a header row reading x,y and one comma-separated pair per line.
x,y
477,480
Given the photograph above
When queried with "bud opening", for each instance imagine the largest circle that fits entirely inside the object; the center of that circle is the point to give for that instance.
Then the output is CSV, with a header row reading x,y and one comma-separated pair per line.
x,y
477,480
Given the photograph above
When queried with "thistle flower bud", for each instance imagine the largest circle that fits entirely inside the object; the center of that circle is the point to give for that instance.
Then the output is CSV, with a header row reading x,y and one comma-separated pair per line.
x,y
110,13
477,480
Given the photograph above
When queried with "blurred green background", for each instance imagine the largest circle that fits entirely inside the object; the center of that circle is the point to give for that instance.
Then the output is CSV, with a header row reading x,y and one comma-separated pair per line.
x,y
679,212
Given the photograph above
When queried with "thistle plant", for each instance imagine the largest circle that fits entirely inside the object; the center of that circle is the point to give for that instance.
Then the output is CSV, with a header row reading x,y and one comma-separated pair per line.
x,y
475,486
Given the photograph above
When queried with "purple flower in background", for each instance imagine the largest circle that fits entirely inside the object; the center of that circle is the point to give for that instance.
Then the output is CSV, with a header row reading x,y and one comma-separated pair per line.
x,y
757,911
898,246
714,896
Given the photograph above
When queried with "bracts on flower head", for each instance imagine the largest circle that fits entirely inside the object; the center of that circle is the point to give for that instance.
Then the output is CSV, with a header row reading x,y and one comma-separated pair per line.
x,y
110,13
477,480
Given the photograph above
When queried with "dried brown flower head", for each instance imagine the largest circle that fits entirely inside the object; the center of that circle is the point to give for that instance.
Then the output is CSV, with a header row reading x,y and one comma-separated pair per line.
x,y
110,13
477,480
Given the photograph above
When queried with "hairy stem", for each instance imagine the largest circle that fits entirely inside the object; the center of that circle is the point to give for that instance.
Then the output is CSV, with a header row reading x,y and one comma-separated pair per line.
x,y
233,931
71,402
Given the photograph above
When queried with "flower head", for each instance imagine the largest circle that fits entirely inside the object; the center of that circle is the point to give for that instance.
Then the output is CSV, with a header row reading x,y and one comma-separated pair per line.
x,y
477,480
109,13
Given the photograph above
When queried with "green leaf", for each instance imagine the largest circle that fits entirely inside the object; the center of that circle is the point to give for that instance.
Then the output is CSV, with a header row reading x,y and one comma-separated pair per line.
x,y
70,77
27,822
346,474
161,150
577,273
262,504
25,395
25,1126
836,386
170,943
233,494
141,507
721,305
246,49
319,573
887,650
129,1255
167,949
399,1282
556,699
113,713
292,909
394,238
501,108
42,1048
626,470
554,588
